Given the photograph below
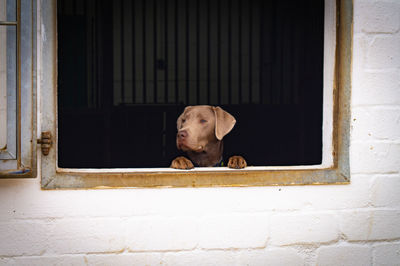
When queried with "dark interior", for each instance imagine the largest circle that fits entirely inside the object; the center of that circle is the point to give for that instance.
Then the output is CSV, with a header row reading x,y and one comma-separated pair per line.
x,y
127,69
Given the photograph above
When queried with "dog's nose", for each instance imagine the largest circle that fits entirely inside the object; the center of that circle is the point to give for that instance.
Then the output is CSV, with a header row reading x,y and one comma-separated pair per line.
x,y
182,134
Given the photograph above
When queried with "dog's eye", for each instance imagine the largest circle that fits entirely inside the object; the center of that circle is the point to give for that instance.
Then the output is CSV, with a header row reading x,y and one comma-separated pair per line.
x,y
203,121
183,120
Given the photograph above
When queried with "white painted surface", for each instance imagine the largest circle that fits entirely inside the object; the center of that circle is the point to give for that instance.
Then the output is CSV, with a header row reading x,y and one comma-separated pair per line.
x,y
356,224
329,70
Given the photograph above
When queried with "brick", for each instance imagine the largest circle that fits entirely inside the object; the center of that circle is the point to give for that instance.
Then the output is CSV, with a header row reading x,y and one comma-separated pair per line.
x,y
361,42
252,199
354,195
385,191
377,16
300,228
361,225
332,197
384,53
143,202
344,255
387,254
6,261
20,238
87,235
158,233
271,257
7,200
375,123
234,231
51,260
95,203
201,258
374,157
370,87
119,202
127,259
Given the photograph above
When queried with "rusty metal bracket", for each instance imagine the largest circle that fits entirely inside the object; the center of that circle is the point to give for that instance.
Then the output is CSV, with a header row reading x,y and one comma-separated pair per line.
x,y
46,142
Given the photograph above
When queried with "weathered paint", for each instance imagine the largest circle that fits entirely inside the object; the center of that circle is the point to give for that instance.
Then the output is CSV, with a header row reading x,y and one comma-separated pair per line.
x,y
22,127
53,178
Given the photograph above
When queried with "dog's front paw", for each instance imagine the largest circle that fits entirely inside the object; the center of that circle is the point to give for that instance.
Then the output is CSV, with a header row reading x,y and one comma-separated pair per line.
x,y
182,163
237,162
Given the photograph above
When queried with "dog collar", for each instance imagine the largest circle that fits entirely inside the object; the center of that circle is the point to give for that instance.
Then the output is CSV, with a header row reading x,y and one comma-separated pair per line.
x,y
220,163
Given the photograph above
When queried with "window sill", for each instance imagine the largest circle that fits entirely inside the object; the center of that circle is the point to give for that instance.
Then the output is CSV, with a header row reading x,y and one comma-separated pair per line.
x,y
194,170
198,177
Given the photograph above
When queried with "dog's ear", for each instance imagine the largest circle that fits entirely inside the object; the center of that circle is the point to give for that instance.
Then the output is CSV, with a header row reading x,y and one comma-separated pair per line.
x,y
224,122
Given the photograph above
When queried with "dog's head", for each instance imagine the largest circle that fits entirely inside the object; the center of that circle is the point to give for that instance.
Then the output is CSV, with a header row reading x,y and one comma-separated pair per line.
x,y
200,125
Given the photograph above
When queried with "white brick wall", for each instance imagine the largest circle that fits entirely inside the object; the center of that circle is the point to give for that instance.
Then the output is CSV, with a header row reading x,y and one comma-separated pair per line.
x,y
357,224
355,255
303,228
387,254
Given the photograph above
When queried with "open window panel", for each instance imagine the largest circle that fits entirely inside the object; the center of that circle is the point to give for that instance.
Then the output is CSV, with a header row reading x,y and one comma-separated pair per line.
x,y
17,122
127,69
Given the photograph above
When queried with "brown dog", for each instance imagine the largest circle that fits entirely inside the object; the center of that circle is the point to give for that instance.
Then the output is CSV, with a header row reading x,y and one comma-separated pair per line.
x,y
200,132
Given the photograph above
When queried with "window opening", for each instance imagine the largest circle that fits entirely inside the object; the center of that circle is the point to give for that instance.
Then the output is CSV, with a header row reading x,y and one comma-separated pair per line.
x,y
126,69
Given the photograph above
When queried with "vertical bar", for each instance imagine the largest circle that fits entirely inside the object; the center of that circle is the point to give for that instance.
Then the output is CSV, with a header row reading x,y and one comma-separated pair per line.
x,y
74,8
230,51
144,52
219,51
187,51
197,52
166,50
176,53
122,53
274,57
93,54
133,53
97,60
250,51
240,51
106,65
208,54
76,97
164,135
155,50
89,55
19,83
61,7
261,53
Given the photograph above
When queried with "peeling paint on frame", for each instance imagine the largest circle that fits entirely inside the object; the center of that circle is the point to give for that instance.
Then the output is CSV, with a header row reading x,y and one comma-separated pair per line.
x,y
338,173
23,163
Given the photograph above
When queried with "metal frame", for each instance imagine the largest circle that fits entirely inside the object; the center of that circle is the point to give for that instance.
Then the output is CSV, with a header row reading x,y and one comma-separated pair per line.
x,y
24,165
13,156
56,178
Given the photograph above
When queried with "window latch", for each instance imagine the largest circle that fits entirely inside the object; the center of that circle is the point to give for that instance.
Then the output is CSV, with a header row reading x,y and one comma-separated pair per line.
x,y
46,142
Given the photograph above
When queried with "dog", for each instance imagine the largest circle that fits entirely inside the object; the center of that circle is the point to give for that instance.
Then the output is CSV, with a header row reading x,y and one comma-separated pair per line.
x,y
201,129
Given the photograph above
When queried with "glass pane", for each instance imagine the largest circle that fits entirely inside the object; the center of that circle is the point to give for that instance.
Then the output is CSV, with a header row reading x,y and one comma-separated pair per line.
x,y
8,87
8,10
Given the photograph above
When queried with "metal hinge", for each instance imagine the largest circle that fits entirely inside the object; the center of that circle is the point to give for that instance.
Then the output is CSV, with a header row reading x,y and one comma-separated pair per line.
x,y
46,142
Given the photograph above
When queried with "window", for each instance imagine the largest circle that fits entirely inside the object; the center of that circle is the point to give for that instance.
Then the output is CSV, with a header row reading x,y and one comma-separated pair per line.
x,y
17,122
89,71
128,68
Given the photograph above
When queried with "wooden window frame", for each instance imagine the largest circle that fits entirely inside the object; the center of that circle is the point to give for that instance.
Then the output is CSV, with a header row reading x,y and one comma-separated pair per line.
x,y
337,172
